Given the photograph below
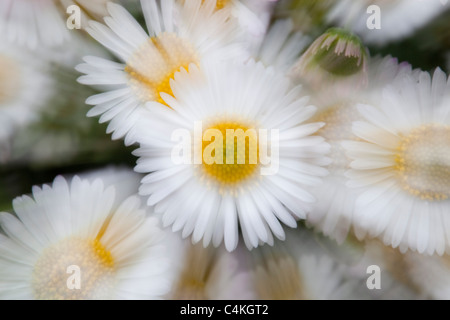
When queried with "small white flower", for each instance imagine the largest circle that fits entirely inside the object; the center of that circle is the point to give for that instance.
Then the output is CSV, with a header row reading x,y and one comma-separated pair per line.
x,y
212,200
76,226
401,163
179,35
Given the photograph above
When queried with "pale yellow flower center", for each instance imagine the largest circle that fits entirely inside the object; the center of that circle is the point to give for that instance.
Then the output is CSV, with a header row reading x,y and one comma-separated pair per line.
x,y
153,65
73,269
423,162
239,158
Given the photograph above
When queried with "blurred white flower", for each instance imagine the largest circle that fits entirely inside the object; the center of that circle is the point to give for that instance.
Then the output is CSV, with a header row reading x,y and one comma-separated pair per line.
x,y
312,277
431,274
179,35
394,281
33,23
338,73
209,274
66,226
401,163
212,200
42,23
333,214
398,18
25,88
301,268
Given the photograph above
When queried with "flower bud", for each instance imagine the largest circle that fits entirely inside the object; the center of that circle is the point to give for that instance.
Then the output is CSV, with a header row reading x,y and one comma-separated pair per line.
x,y
335,58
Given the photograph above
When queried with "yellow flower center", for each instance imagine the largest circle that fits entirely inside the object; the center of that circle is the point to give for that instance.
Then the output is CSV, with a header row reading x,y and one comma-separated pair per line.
x,y
153,65
230,153
74,269
423,162
10,79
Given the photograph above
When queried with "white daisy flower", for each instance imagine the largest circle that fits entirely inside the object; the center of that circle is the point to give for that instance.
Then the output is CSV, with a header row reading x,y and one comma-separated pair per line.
x,y
209,274
398,18
190,33
70,242
338,73
401,163
266,180
25,87
333,215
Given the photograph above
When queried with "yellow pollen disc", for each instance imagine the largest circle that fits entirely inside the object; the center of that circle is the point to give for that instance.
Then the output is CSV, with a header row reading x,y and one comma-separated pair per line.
x,y
239,158
74,269
153,65
10,79
423,162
